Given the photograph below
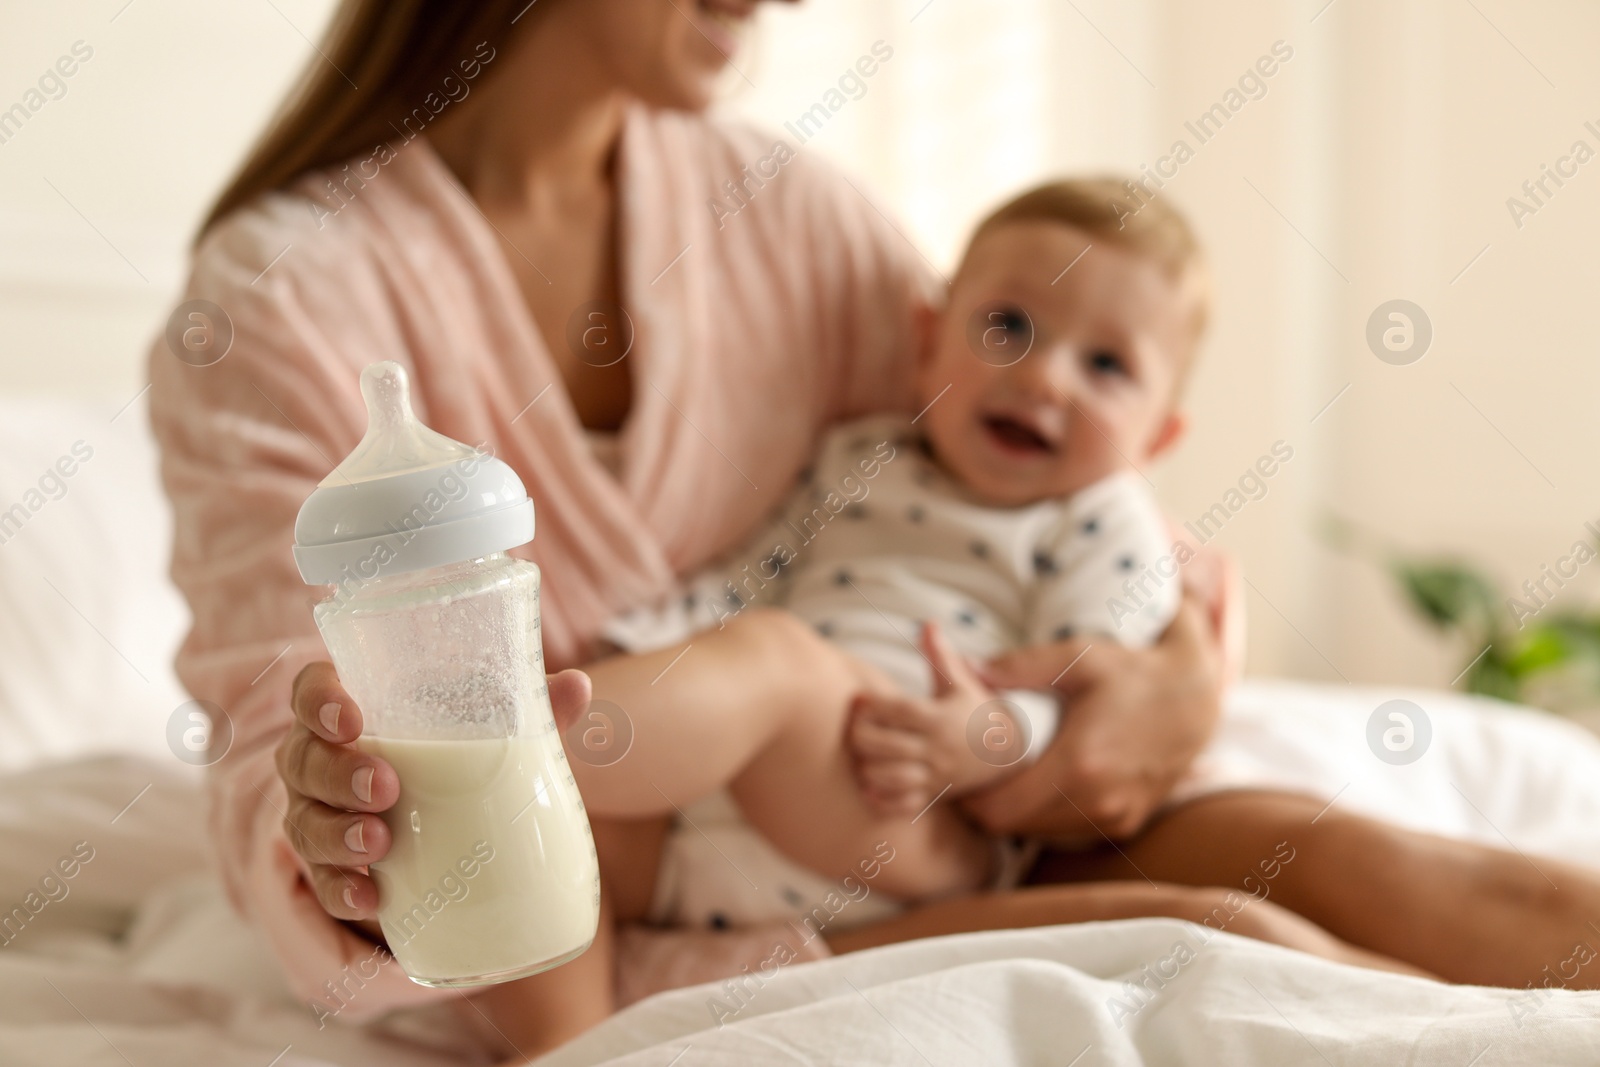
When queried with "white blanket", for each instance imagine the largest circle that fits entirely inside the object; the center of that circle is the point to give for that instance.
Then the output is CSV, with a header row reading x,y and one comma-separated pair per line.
x,y
135,957
1067,996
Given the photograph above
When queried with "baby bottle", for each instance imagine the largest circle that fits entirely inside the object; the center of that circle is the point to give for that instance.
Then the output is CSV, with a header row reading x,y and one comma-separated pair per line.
x,y
434,631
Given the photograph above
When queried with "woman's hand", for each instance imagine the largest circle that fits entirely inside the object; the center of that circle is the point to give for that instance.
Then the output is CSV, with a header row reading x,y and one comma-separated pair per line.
x,y
336,790
1132,721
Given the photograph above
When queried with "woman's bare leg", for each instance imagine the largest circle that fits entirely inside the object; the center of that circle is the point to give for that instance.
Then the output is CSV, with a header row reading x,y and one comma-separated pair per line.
x,y
761,707
1218,909
1462,911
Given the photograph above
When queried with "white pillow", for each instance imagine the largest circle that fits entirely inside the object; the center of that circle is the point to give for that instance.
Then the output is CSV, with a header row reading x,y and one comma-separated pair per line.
x,y
88,619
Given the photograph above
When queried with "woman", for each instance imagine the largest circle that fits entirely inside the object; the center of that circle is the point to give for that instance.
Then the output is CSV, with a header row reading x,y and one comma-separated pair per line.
x,y
464,188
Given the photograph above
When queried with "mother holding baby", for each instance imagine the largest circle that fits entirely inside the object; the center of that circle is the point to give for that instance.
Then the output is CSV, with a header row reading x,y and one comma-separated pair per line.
x,y
526,205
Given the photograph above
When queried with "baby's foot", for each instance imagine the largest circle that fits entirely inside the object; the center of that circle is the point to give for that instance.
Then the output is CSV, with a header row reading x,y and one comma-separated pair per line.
x,y
908,752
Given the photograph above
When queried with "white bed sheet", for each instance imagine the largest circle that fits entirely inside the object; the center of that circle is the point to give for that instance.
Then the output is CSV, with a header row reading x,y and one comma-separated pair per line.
x,y
1064,996
142,961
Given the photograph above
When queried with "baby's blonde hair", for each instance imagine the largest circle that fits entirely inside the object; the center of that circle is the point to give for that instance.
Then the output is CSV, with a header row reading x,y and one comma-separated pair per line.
x,y
1105,209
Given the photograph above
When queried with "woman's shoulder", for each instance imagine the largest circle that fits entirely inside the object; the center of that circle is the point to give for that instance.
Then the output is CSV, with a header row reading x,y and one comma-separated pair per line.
x,y
325,257
271,251
302,296
241,245
330,224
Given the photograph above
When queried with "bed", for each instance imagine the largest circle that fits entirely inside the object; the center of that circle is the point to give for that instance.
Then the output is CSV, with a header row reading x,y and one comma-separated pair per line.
x,y
136,958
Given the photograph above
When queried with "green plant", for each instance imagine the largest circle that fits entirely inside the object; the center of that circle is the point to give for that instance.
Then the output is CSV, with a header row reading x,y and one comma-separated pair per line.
x,y
1551,660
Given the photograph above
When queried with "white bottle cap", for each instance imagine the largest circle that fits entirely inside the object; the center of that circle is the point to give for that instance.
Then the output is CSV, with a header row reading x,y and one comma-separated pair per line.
x,y
407,498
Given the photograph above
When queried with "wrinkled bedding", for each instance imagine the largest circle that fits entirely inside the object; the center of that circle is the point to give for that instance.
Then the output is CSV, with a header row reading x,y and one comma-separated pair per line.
x,y
124,950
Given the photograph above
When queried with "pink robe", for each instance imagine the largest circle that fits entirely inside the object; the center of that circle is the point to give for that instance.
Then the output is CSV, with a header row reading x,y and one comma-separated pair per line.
x,y
755,329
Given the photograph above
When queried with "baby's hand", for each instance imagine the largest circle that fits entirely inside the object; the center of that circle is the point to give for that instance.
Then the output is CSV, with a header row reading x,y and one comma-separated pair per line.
x,y
906,751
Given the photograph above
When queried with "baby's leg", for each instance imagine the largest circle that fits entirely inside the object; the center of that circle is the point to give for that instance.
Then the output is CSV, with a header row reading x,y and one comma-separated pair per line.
x,y
760,706
1462,911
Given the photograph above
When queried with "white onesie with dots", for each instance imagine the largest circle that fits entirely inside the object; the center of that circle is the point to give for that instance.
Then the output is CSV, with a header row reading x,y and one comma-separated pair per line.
x,y
876,540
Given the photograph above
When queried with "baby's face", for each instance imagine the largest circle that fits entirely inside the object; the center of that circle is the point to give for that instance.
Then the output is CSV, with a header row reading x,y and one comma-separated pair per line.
x,y
1094,394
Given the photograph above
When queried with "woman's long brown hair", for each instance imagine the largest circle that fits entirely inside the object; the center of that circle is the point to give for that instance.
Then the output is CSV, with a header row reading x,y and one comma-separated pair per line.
x,y
378,61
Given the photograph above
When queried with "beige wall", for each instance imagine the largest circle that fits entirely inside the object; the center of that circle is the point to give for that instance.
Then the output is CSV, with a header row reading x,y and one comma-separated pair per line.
x,y
146,131
1377,166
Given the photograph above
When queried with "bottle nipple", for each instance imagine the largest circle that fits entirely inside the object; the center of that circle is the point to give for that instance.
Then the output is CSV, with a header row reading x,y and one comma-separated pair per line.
x,y
395,442
407,498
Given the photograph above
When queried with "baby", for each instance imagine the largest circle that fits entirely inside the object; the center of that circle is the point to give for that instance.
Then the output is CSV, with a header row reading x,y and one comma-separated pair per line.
x,y
1010,510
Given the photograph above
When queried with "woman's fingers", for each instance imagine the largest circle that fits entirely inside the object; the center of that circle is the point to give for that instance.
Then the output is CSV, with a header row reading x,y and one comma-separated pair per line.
x,y
322,706
333,790
337,775
344,893
316,761
1219,589
329,836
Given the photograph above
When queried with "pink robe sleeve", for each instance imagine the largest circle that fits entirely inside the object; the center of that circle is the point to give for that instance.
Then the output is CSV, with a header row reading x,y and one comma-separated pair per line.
x,y
243,441
873,287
